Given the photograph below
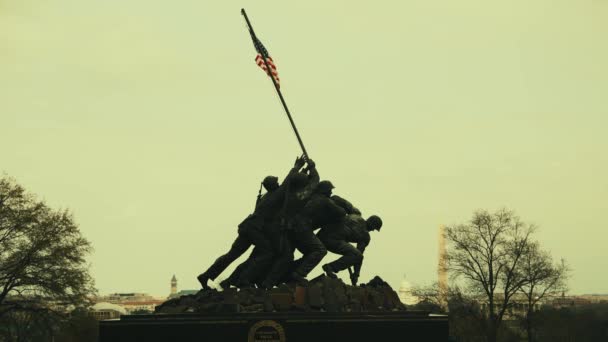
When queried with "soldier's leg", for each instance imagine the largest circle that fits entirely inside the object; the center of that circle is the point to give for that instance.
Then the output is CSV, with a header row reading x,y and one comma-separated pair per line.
x,y
312,250
258,264
350,255
234,277
281,262
293,265
257,237
239,246
330,244
264,251
262,274
267,248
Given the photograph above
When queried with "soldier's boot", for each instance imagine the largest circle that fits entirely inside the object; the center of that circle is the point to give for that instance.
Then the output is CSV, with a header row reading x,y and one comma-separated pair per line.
x,y
329,271
203,279
225,284
266,285
242,284
299,279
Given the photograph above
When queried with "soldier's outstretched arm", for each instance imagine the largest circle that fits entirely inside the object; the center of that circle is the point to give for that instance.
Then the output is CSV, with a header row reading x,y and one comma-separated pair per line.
x,y
313,174
361,246
345,204
296,168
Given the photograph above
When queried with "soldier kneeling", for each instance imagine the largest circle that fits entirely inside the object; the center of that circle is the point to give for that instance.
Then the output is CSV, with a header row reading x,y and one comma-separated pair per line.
x,y
337,239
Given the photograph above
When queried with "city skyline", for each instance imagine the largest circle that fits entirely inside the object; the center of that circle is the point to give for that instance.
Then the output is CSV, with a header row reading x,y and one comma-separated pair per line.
x,y
153,125
399,289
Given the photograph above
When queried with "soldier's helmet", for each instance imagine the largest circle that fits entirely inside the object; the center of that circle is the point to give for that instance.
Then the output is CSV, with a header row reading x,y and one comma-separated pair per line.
x,y
298,181
324,187
270,183
374,222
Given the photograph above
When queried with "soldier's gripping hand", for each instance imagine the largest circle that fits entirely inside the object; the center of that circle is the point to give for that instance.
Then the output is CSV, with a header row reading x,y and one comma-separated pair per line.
x,y
300,161
311,164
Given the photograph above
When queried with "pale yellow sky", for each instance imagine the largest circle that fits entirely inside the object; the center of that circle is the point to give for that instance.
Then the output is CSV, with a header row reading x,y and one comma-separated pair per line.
x,y
152,123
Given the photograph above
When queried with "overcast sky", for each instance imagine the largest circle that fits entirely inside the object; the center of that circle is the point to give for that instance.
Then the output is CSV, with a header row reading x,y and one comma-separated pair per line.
x,y
152,123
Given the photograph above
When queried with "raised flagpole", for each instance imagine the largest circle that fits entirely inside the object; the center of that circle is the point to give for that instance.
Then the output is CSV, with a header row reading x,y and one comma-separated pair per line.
x,y
276,86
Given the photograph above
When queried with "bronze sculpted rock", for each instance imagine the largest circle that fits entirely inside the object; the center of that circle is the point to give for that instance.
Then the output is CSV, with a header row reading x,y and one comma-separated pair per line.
x,y
323,294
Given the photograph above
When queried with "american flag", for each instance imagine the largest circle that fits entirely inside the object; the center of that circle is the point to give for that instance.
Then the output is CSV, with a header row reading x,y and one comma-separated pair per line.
x,y
259,60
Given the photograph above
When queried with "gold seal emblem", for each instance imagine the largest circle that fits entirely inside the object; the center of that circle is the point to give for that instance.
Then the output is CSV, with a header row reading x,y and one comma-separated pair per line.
x,y
266,331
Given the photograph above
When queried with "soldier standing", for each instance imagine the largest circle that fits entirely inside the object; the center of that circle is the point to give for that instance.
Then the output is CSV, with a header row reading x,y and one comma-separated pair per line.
x,y
260,266
298,194
250,231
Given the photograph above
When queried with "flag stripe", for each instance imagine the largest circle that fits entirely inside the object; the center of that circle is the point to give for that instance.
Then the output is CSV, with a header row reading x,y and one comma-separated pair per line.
x,y
259,60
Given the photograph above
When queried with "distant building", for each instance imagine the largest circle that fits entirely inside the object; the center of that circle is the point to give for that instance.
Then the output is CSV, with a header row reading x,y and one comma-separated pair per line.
x,y
132,301
518,305
595,298
142,305
173,286
405,293
118,298
105,310
568,302
183,293
174,293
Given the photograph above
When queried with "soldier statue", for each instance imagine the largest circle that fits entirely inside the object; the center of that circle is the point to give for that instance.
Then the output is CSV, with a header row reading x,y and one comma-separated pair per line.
x,y
338,237
251,230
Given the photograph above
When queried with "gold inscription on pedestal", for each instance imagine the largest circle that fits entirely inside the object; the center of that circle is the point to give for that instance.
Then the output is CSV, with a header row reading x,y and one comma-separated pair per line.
x,y
266,331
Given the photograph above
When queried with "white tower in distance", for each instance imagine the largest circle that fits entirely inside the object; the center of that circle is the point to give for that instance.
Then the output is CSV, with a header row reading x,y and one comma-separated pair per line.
x,y
441,269
173,285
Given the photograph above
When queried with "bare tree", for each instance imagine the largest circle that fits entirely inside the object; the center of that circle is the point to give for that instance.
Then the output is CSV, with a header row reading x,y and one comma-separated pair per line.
x,y
487,253
42,255
465,314
543,279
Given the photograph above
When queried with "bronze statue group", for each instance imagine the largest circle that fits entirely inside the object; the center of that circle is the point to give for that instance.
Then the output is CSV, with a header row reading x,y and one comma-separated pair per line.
x,y
285,219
